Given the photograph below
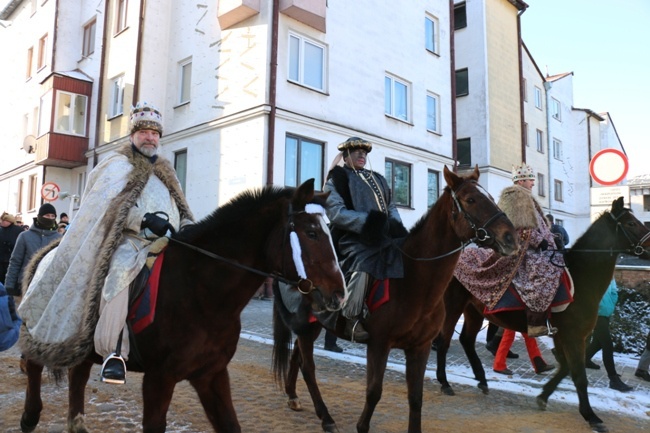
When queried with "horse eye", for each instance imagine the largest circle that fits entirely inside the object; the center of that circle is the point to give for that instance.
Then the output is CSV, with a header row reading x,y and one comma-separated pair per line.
x,y
311,234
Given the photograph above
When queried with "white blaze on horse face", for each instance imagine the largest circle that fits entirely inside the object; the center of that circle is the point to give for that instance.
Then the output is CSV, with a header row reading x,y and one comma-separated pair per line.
x,y
335,263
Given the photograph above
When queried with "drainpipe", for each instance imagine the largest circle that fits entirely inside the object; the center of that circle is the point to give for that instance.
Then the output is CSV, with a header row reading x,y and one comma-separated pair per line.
x,y
273,78
138,54
100,84
547,88
452,73
55,35
522,117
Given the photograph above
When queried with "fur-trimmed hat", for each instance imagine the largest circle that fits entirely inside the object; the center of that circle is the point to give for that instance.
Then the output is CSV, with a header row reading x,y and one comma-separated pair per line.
x,y
8,217
355,143
522,172
145,116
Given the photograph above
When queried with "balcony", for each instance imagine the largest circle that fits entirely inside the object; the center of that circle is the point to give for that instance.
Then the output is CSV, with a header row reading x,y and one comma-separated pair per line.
x,y
309,12
233,12
61,150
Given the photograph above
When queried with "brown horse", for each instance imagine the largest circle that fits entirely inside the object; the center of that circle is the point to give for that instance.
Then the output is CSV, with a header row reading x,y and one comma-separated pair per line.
x,y
197,321
591,263
415,312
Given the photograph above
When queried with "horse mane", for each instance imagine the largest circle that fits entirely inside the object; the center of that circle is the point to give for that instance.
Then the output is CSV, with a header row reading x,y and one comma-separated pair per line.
x,y
417,227
602,219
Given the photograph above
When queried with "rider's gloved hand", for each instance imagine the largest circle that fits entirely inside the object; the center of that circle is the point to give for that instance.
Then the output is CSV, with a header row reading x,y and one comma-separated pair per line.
x,y
158,226
543,246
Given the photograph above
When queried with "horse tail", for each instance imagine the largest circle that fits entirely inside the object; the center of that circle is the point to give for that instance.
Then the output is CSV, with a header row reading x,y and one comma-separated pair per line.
x,y
281,344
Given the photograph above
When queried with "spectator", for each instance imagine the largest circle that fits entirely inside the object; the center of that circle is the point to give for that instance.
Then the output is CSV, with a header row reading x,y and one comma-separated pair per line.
x,y
493,341
64,218
602,339
539,365
61,228
330,342
9,320
9,232
644,362
561,235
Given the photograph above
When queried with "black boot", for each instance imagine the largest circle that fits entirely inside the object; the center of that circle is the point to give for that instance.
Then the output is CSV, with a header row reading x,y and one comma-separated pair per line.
x,y
493,345
113,369
541,366
355,332
643,374
591,364
616,383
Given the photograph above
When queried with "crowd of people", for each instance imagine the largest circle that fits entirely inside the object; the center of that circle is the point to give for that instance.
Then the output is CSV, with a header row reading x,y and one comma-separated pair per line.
x,y
137,197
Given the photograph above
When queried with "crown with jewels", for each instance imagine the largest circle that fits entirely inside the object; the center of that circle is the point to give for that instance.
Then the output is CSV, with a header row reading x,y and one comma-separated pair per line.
x,y
145,116
522,172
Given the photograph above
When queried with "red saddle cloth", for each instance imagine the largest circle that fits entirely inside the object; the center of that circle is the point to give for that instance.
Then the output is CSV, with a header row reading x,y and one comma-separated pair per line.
x,y
511,301
379,294
143,310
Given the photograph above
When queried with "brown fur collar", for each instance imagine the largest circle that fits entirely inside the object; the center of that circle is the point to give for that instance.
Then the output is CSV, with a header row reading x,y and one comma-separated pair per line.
x,y
519,206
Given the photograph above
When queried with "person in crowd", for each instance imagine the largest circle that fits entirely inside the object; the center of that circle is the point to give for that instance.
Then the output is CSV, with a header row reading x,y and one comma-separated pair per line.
x,y
132,199
493,338
534,276
330,342
9,232
41,233
644,362
61,228
265,292
602,339
500,366
63,219
364,222
560,233
9,320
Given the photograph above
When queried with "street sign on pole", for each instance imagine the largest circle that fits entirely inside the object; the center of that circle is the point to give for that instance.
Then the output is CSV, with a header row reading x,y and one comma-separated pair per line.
x,y
608,167
50,191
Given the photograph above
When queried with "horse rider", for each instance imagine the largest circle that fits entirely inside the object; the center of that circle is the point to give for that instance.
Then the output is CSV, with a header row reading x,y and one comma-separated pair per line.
x,y
364,222
79,294
532,272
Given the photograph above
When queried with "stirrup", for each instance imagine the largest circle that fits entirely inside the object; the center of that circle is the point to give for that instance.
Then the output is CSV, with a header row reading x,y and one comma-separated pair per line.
x,y
113,369
552,330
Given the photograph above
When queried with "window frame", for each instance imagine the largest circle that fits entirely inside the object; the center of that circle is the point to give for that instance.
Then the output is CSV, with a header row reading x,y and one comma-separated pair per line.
x,y
88,42
183,85
525,88
30,62
539,140
558,193
390,97
556,109
538,98
116,108
557,149
33,189
121,13
42,53
302,63
20,199
391,179
541,185
180,167
432,200
526,142
461,142
462,76
460,20
436,114
297,165
431,37
71,118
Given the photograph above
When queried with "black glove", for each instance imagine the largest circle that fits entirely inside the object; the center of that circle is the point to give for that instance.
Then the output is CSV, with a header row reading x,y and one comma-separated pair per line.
x,y
158,226
375,229
396,229
14,291
543,246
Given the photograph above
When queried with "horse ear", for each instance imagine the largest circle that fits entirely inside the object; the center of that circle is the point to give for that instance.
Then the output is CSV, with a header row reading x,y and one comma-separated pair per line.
x,y
476,173
451,178
304,194
618,204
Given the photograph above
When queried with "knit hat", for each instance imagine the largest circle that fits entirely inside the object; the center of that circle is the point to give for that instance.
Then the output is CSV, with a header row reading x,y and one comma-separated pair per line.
x,y
145,116
523,172
45,209
8,217
355,143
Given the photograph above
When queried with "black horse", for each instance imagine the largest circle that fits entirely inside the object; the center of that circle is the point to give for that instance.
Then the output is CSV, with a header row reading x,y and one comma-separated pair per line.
x,y
591,263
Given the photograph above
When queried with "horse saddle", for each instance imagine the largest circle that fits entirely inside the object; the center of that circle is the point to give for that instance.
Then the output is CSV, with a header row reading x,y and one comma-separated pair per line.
x,y
511,301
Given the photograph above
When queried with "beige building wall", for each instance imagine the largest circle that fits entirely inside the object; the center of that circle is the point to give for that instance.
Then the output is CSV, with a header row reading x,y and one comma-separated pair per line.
x,y
503,85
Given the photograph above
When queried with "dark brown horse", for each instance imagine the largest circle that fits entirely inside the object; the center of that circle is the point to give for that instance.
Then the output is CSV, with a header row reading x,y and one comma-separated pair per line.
x,y
197,321
591,263
415,312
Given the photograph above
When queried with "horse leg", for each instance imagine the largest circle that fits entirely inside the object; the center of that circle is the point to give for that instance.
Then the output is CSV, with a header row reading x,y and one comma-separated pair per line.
x,y
442,342
292,378
376,359
308,367
157,391
77,380
33,403
471,328
416,365
216,398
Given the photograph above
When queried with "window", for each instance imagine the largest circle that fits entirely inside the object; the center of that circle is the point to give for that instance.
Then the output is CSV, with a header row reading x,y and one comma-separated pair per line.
x,y
306,62
19,204
460,16
462,82
525,88
431,34
303,160
397,98
464,152
398,176
120,15
180,165
557,149
646,203
538,97
32,192
526,134
559,222
433,113
81,183
70,113
558,190
45,113
541,190
556,109
185,81
42,52
433,187
540,141
30,59
89,38
117,96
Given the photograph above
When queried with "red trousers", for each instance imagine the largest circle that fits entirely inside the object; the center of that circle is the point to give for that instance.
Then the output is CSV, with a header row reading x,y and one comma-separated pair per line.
x,y
505,345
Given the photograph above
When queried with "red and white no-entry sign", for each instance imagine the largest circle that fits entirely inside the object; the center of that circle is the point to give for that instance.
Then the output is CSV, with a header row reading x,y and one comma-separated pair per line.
x,y
50,191
609,167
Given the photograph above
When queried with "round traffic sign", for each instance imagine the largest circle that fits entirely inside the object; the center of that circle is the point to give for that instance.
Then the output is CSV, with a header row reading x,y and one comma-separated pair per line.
x,y
50,191
609,167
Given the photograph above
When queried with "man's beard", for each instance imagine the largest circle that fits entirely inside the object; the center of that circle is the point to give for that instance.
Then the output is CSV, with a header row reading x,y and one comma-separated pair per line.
x,y
148,151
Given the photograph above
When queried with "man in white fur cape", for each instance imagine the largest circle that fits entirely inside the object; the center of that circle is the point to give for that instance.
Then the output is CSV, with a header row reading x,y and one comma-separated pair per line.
x,y
77,300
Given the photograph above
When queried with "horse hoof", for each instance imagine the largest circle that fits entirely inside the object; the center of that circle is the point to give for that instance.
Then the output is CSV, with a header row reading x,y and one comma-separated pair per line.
x,y
330,428
77,425
26,426
598,427
541,403
484,387
447,390
294,404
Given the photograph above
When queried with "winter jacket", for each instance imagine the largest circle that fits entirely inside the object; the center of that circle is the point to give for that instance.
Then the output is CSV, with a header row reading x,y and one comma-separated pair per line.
x,y
27,244
608,303
9,320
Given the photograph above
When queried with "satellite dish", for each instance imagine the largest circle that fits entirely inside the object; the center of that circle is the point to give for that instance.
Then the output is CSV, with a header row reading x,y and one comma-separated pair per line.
x,y
29,144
